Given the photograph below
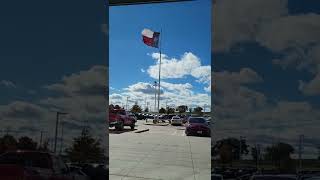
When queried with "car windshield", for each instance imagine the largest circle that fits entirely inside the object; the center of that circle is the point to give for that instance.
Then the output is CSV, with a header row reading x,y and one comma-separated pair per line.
x,y
31,159
197,120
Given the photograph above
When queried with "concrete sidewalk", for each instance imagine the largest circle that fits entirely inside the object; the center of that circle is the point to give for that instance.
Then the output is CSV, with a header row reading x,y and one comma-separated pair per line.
x,y
154,156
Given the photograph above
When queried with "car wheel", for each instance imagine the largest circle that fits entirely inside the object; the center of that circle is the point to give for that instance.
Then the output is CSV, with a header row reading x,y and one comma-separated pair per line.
x,y
119,126
132,127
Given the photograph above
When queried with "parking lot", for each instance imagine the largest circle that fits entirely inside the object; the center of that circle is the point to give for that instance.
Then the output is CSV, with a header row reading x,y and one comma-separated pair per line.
x,y
160,152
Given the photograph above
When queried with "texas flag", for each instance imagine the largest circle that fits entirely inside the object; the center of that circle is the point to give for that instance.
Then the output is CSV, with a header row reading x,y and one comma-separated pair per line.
x,y
150,38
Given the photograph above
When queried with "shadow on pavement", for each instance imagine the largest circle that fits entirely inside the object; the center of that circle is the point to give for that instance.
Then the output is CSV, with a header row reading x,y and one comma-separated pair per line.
x,y
114,131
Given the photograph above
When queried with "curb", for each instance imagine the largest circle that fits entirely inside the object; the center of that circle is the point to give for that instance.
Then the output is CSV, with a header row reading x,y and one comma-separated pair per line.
x,y
151,124
140,131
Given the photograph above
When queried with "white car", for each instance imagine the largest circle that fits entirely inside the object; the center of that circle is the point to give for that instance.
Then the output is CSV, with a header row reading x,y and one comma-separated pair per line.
x,y
176,120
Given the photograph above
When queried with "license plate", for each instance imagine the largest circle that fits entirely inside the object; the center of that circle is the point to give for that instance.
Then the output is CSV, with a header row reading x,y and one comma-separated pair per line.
x,y
199,132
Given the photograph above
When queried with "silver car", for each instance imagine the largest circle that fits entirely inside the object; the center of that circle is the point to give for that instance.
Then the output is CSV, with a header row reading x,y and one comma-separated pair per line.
x,y
176,120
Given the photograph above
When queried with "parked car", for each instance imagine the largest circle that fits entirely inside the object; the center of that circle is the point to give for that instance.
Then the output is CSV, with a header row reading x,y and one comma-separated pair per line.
x,y
119,118
197,126
33,165
140,116
176,120
133,116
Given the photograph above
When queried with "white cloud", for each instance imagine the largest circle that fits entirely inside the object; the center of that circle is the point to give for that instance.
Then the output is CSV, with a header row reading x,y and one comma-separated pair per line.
x,y
188,65
142,70
141,87
7,84
203,73
173,94
312,87
176,87
174,68
89,82
290,32
240,21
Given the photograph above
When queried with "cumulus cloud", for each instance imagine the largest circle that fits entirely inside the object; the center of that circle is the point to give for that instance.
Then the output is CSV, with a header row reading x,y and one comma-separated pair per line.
x,y
140,87
290,31
7,84
172,94
240,21
293,37
174,68
89,82
81,95
241,111
188,65
312,87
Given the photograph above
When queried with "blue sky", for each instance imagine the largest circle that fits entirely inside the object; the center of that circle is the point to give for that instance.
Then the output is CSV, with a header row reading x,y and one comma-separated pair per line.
x,y
185,28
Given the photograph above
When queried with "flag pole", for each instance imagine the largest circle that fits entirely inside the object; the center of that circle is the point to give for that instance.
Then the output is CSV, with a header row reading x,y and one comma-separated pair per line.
x,y
160,42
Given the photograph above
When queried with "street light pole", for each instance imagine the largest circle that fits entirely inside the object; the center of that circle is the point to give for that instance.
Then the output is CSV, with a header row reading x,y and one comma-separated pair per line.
x,y
300,150
240,148
127,103
56,132
61,142
155,96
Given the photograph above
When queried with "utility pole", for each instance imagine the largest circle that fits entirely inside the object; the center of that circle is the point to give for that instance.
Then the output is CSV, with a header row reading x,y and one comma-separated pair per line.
x,y
41,133
258,149
240,147
56,132
301,137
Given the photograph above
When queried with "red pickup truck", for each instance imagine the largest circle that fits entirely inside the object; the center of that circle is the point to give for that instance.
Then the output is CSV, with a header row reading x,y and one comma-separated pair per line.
x,y
119,118
33,165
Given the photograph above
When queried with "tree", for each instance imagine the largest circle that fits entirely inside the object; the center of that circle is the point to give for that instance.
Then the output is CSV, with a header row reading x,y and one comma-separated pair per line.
x,y
26,143
8,143
182,109
85,149
198,110
146,110
170,110
162,110
117,107
280,155
190,110
136,109
229,149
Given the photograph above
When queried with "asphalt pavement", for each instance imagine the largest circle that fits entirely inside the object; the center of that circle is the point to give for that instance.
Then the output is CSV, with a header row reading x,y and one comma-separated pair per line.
x,y
162,152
